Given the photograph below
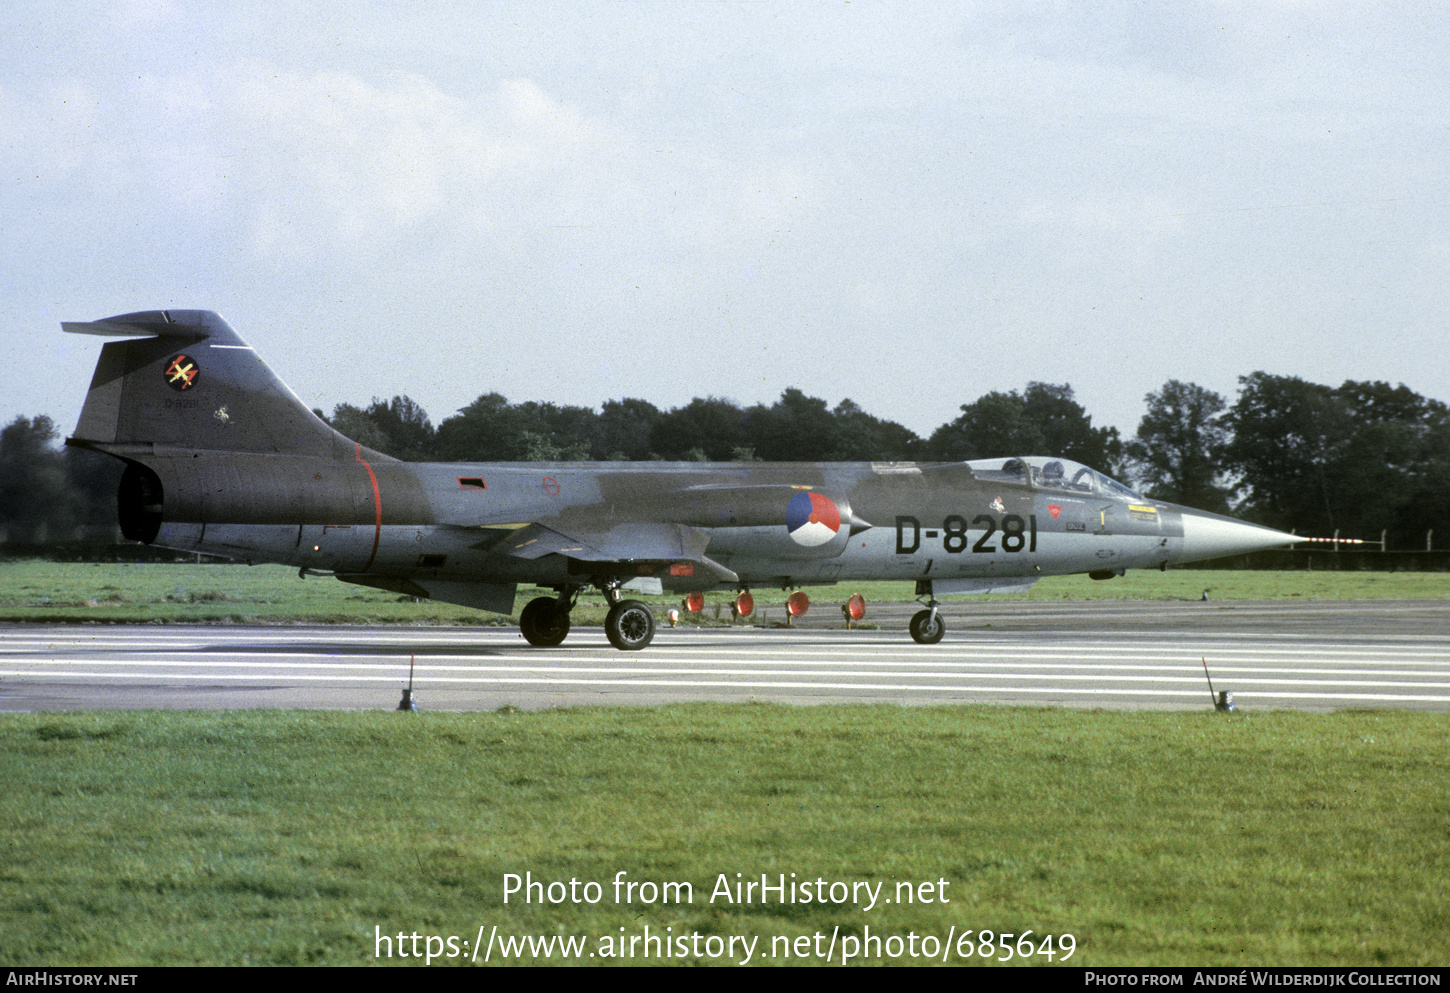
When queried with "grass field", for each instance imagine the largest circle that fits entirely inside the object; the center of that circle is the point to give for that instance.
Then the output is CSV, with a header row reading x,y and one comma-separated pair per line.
x,y
1149,838
305,837
52,592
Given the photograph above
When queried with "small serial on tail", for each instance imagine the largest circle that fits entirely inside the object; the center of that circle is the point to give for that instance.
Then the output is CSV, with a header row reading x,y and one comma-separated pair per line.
x,y
222,458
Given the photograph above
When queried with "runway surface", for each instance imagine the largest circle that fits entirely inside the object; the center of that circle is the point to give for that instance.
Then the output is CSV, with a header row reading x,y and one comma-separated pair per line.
x,y
1318,655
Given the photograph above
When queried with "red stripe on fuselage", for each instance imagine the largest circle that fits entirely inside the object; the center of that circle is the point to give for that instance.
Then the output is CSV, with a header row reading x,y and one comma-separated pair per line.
x,y
377,507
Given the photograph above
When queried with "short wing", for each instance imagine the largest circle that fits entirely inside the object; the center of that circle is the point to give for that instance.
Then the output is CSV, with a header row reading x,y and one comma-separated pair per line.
x,y
994,584
628,544
495,597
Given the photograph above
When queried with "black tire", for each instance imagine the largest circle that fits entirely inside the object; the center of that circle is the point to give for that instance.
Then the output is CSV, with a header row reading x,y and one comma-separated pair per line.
x,y
630,625
925,630
543,623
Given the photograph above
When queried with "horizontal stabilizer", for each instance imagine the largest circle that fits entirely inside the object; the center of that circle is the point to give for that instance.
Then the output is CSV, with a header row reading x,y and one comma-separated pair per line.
x,y
147,324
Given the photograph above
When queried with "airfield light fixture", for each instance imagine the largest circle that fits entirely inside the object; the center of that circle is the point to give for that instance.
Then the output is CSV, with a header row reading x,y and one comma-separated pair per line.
x,y
408,703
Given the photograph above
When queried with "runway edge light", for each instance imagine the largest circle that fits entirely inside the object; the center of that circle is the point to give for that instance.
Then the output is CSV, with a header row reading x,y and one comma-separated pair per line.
x,y
1223,701
408,703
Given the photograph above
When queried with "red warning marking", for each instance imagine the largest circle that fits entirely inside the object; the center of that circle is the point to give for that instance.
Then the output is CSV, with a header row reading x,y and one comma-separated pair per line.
x,y
1054,509
377,509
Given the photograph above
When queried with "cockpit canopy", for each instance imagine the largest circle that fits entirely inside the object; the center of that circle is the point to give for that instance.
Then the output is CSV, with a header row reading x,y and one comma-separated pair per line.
x,y
1044,473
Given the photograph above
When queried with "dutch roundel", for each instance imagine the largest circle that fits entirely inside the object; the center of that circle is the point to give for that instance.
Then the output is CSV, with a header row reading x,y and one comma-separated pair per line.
x,y
812,519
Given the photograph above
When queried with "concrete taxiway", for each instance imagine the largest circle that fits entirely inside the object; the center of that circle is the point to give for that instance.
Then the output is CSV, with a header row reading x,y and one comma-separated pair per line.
x,y
1317,655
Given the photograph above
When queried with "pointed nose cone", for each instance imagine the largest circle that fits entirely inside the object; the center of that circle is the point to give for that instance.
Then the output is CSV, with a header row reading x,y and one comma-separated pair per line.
x,y
1212,536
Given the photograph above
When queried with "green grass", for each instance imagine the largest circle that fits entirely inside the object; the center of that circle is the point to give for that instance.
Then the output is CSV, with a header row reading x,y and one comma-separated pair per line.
x,y
52,592
1151,838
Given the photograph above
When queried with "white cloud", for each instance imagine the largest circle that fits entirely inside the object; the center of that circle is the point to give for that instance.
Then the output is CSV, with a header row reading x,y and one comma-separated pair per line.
x,y
732,172
345,161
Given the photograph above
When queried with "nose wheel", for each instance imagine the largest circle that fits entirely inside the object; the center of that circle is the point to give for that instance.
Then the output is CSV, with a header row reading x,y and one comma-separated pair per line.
x,y
927,626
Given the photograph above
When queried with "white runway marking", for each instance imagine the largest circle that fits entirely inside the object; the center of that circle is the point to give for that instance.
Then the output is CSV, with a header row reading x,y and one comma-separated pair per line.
x,y
482,668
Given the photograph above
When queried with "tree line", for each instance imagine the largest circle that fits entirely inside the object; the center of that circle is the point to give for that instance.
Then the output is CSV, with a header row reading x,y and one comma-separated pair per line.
x,y
1360,458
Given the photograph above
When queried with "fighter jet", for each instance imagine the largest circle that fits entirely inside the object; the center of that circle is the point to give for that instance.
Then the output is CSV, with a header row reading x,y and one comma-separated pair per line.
x,y
222,458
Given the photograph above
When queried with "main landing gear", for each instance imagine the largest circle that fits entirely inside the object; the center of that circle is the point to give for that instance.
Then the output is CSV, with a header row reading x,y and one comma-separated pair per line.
x,y
545,621
629,625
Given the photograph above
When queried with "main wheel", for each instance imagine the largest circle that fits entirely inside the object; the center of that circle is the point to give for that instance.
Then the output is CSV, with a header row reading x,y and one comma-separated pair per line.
x,y
630,625
543,622
927,630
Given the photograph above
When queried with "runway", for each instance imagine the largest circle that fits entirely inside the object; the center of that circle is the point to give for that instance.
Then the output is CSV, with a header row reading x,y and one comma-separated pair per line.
x,y
1317,656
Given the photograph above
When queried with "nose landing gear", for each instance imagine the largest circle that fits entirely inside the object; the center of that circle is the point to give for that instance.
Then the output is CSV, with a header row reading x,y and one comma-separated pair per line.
x,y
927,626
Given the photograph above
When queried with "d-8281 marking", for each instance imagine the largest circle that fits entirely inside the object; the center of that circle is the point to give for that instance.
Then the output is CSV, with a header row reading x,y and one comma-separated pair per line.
x,y
1017,533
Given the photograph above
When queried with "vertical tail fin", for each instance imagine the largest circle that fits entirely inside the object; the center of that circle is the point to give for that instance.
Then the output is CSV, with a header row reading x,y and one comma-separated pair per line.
x,y
187,380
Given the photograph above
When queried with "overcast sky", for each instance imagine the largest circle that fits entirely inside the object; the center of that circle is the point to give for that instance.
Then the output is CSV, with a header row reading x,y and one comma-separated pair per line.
x,y
906,204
